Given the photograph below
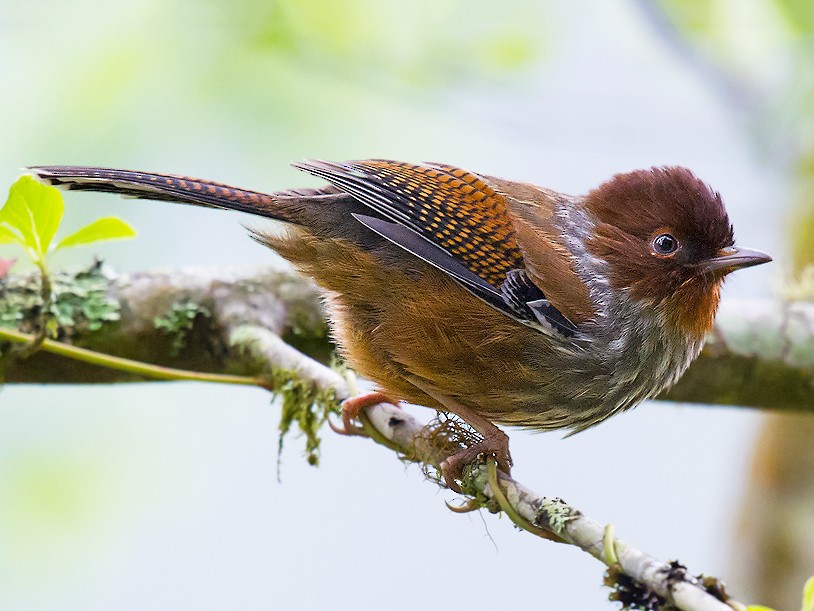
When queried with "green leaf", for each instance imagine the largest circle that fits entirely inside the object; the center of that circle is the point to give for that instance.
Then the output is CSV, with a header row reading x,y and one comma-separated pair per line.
x,y
808,595
35,210
107,228
9,236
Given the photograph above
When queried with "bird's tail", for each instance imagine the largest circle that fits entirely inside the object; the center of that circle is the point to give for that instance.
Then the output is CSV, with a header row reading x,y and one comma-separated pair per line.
x,y
284,206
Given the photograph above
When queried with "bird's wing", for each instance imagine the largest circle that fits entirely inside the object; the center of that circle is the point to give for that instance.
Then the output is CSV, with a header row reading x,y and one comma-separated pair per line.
x,y
454,220
535,214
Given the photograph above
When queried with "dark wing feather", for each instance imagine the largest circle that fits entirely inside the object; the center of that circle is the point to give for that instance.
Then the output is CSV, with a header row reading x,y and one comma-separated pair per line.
x,y
518,291
528,302
450,207
436,256
453,220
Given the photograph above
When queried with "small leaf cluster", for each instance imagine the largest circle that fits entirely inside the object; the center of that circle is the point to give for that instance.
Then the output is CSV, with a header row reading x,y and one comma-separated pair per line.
x,y
33,213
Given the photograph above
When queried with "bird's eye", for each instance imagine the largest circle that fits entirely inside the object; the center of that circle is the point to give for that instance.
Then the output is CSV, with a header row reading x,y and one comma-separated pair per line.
x,y
665,244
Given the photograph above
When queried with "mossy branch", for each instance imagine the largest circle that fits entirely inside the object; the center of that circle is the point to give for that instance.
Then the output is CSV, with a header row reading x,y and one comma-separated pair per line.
x,y
181,319
760,354
234,326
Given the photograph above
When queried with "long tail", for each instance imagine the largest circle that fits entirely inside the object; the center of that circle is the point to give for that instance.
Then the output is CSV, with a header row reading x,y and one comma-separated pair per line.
x,y
284,205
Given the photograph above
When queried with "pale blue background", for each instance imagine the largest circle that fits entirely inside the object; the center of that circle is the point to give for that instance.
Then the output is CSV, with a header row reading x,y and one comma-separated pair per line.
x,y
164,496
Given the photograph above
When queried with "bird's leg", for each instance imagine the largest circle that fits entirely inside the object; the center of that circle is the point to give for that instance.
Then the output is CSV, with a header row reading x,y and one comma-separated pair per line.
x,y
495,442
351,409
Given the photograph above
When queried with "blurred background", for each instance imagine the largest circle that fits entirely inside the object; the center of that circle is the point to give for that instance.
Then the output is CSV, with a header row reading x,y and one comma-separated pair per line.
x,y
164,496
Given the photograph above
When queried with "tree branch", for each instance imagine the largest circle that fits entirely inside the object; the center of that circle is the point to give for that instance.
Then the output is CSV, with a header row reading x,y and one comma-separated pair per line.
x,y
183,319
669,582
237,321
760,354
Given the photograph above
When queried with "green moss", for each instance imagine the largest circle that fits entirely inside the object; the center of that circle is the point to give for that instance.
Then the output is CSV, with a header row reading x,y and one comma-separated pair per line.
x,y
473,484
17,304
178,322
83,300
555,514
305,405
80,301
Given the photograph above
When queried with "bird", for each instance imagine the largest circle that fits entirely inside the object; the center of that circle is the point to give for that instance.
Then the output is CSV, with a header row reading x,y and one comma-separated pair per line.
x,y
500,301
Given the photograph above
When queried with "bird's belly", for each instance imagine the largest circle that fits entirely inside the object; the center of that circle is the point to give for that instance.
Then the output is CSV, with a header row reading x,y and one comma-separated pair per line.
x,y
588,389
497,367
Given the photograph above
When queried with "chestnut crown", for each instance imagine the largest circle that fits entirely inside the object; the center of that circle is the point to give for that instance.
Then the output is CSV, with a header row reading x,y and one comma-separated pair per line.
x,y
667,239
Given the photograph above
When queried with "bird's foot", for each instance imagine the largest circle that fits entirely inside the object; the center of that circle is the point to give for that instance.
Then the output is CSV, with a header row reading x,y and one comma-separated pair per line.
x,y
351,409
495,444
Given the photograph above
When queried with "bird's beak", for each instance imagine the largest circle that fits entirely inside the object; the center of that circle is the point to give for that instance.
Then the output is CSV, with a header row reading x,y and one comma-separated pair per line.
x,y
732,258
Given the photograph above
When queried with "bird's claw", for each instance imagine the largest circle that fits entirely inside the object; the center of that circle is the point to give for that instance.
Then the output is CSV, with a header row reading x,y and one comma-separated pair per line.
x,y
496,445
465,507
347,428
351,409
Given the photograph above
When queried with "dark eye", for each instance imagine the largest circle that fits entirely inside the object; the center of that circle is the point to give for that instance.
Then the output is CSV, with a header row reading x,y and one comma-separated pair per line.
x,y
665,244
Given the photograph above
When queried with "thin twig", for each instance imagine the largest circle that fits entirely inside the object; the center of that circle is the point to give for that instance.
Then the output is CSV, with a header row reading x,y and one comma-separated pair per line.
x,y
554,516
135,367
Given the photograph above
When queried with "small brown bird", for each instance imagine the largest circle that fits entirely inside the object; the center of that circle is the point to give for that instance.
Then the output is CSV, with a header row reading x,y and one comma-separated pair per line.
x,y
499,301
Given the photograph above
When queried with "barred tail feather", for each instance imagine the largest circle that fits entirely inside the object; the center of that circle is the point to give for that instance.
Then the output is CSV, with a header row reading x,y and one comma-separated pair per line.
x,y
180,189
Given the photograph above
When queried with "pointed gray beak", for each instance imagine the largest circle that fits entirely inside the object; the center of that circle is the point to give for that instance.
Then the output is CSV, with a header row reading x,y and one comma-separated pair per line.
x,y
732,258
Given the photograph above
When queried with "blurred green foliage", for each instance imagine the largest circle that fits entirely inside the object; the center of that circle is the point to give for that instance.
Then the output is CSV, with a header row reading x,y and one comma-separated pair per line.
x,y
808,599
242,88
248,52
716,19
423,41
765,48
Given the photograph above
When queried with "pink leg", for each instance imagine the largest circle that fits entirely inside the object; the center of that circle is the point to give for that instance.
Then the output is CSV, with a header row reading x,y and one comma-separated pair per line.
x,y
351,409
495,442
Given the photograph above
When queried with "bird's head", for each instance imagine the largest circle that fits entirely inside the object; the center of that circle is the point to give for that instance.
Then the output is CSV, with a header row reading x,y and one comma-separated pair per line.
x,y
667,241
